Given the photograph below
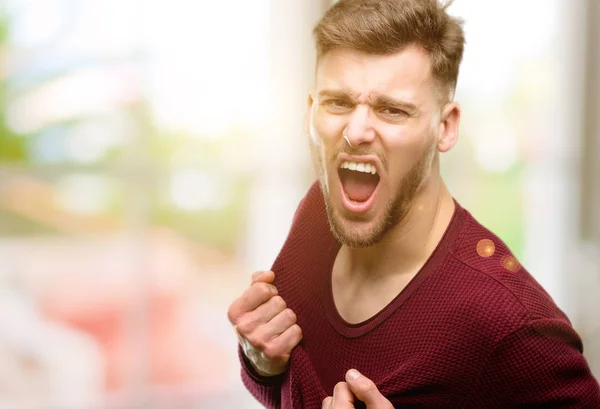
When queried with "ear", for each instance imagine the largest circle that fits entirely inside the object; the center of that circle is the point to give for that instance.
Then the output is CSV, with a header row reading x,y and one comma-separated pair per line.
x,y
448,130
310,102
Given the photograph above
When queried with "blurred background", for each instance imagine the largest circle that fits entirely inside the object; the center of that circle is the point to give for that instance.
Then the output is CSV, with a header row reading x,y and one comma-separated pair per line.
x,y
152,154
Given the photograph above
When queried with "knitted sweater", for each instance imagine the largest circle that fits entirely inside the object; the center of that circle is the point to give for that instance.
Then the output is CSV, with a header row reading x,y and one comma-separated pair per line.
x,y
473,329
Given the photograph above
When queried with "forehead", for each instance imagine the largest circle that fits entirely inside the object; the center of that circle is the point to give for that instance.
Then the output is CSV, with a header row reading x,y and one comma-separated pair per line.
x,y
405,74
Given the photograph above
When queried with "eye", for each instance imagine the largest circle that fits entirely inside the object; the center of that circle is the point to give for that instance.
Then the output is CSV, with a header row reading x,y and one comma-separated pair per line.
x,y
341,103
393,112
338,105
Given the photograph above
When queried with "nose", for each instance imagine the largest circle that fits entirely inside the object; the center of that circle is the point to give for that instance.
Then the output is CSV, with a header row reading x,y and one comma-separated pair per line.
x,y
359,129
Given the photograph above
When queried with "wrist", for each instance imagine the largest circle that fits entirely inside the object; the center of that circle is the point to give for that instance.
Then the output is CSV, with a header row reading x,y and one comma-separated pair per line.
x,y
260,363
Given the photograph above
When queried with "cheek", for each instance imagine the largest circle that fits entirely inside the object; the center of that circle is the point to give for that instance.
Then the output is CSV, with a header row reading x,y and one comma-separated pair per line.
x,y
328,127
403,148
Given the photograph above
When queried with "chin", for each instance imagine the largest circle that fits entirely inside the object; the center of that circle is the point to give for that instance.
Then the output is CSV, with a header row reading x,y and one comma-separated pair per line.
x,y
356,233
366,229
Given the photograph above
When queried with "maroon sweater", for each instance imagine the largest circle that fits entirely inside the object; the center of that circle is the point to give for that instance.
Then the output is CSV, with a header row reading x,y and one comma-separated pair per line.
x,y
472,330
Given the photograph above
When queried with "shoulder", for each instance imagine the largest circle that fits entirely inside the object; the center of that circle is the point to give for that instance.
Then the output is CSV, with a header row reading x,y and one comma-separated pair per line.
x,y
310,220
312,207
491,274
309,246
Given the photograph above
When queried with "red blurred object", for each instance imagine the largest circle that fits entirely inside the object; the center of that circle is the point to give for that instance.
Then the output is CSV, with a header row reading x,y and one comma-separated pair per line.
x,y
141,327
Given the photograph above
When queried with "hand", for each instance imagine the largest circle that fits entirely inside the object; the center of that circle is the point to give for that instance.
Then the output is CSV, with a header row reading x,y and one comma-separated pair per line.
x,y
266,328
359,387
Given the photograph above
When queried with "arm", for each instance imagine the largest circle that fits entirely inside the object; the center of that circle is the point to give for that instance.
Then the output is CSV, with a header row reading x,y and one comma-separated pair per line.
x,y
267,332
538,365
266,390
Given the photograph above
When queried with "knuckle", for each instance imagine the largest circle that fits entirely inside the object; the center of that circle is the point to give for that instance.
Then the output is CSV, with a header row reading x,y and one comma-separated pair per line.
x,y
272,351
254,339
296,331
295,335
243,327
259,288
290,315
279,303
264,289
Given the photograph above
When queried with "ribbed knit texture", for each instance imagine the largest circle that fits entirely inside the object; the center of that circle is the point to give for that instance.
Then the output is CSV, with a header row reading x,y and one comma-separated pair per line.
x,y
472,330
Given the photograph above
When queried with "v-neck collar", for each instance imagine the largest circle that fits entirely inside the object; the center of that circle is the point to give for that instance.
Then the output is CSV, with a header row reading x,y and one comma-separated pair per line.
x,y
430,267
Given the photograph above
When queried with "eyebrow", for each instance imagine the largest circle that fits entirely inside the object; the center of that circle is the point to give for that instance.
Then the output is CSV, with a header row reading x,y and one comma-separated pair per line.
x,y
378,100
332,93
384,100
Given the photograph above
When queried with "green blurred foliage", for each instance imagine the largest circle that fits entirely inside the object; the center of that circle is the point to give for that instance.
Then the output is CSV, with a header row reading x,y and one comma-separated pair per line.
x,y
13,147
499,206
159,153
219,227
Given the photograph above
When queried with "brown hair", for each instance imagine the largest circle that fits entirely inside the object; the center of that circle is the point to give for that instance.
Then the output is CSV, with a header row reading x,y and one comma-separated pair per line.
x,y
388,26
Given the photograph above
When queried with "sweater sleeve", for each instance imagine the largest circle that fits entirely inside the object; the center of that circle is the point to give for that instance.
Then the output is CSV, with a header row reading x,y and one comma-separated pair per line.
x,y
539,365
267,390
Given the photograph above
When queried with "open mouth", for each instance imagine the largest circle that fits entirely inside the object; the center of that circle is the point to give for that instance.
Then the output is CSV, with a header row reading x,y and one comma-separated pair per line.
x,y
359,181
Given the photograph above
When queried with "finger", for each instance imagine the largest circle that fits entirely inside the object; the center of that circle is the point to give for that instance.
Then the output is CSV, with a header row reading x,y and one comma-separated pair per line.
x,y
263,276
366,390
327,403
254,296
280,323
281,347
261,315
342,396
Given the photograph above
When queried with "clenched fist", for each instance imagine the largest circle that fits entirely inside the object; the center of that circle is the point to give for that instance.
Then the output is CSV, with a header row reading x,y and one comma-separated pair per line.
x,y
266,328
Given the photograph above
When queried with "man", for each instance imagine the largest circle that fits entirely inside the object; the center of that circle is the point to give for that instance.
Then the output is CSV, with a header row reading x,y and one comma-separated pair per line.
x,y
387,293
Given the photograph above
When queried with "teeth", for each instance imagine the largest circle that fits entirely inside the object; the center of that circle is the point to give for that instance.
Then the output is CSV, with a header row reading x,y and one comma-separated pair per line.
x,y
359,167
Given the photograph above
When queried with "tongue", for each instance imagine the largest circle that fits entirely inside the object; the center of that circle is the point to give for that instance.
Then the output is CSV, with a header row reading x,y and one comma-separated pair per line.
x,y
359,186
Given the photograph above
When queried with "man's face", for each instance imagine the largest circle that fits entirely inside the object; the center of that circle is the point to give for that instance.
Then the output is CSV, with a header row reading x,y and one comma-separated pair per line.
x,y
374,122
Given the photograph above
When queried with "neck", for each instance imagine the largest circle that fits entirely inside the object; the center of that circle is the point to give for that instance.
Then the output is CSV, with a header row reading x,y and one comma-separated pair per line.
x,y
407,246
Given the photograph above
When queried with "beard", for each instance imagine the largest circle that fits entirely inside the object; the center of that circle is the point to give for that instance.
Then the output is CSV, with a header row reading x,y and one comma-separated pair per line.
x,y
395,210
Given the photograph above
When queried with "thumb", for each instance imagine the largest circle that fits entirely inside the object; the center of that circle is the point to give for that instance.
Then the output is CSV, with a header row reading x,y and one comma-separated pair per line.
x,y
263,276
366,390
